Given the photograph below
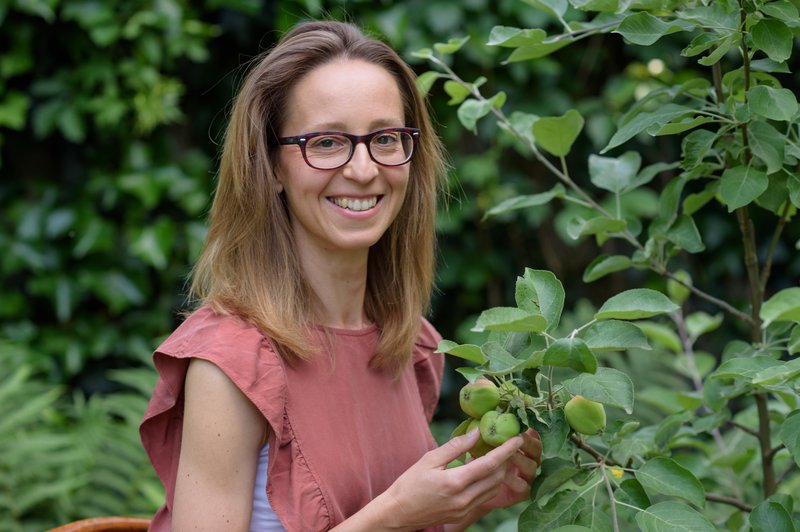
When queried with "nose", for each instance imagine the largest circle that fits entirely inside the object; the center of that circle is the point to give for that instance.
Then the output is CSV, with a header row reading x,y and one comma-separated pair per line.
x,y
360,167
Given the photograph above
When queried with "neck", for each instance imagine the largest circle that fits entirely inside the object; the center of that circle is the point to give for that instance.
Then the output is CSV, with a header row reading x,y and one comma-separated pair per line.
x,y
339,280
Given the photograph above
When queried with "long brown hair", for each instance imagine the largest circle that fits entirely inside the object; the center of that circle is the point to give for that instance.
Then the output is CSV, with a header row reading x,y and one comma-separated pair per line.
x,y
249,266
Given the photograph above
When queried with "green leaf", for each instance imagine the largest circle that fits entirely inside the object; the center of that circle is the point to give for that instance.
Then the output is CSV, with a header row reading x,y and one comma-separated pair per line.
x,y
498,360
774,38
603,265
614,174
470,111
608,386
579,228
777,375
670,516
775,104
547,482
794,341
522,124
644,29
648,173
790,435
696,145
740,185
723,46
694,202
423,53
14,109
457,92
451,46
769,516
661,334
553,432
557,8
784,11
614,335
426,80
465,351
524,202
541,293
509,37
535,51
666,477
793,184
561,509
685,235
510,319
631,492
557,134
767,144
700,44
645,120
744,368
572,353
680,125
782,306
635,304
700,323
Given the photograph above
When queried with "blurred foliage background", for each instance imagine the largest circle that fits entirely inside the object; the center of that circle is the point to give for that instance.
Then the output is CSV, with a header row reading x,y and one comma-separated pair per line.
x,y
111,115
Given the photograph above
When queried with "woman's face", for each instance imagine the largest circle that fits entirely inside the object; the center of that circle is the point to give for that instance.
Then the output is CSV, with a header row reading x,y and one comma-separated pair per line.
x,y
347,208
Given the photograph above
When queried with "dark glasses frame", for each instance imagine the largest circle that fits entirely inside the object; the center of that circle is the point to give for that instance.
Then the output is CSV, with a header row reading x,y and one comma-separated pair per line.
x,y
302,140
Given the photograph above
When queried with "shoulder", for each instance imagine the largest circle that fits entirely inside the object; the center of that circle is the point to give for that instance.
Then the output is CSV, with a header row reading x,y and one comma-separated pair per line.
x,y
206,331
427,341
239,352
428,337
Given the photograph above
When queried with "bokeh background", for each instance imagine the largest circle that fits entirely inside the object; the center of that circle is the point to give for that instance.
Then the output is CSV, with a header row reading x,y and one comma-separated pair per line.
x,y
111,117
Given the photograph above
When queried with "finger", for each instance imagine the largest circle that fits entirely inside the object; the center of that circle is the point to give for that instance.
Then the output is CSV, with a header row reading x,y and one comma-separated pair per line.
x,y
492,463
526,466
532,446
451,450
516,481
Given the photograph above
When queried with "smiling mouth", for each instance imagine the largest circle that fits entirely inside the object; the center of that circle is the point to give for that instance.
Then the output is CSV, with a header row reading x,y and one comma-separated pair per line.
x,y
355,204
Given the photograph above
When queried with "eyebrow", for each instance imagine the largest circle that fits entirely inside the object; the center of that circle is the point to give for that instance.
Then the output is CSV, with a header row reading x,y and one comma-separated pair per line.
x,y
340,126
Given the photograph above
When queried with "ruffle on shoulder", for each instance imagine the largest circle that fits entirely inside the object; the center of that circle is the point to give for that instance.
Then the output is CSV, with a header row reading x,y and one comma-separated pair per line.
x,y
428,367
240,350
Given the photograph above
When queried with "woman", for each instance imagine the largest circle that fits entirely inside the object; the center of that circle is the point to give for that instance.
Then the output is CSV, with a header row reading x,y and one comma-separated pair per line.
x,y
298,395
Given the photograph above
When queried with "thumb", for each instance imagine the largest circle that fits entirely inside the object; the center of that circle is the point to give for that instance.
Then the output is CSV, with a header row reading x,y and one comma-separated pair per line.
x,y
454,448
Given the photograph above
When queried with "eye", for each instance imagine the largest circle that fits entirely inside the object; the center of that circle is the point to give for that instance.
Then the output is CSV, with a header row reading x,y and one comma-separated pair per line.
x,y
327,143
385,139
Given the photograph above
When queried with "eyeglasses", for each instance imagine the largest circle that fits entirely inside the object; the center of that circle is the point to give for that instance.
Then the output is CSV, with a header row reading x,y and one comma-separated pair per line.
x,y
328,150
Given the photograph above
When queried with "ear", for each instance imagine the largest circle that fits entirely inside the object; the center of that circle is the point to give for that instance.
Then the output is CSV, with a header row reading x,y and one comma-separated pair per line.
x,y
277,179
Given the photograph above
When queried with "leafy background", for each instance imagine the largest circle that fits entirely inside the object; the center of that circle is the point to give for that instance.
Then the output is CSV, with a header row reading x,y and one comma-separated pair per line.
x,y
110,120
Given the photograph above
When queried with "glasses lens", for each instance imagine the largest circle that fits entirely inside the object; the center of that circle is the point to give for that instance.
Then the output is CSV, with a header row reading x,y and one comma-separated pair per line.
x,y
328,151
391,148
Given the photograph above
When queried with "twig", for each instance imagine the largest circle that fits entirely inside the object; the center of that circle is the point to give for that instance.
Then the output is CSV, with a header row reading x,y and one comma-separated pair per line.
x,y
785,473
770,486
766,270
708,297
744,428
612,501
772,452
592,451
697,381
730,501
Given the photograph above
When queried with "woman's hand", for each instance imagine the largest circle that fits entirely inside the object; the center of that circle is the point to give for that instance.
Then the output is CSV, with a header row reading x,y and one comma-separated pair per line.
x,y
520,473
428,494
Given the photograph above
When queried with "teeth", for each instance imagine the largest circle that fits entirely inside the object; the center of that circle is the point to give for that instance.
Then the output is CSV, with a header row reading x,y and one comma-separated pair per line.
x,y
356,204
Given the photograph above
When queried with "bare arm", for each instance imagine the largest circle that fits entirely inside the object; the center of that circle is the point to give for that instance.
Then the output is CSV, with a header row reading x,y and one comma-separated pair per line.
x,y
222,434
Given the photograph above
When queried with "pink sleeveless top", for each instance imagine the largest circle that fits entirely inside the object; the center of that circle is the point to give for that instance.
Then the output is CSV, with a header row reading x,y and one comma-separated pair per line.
x,y
341,433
